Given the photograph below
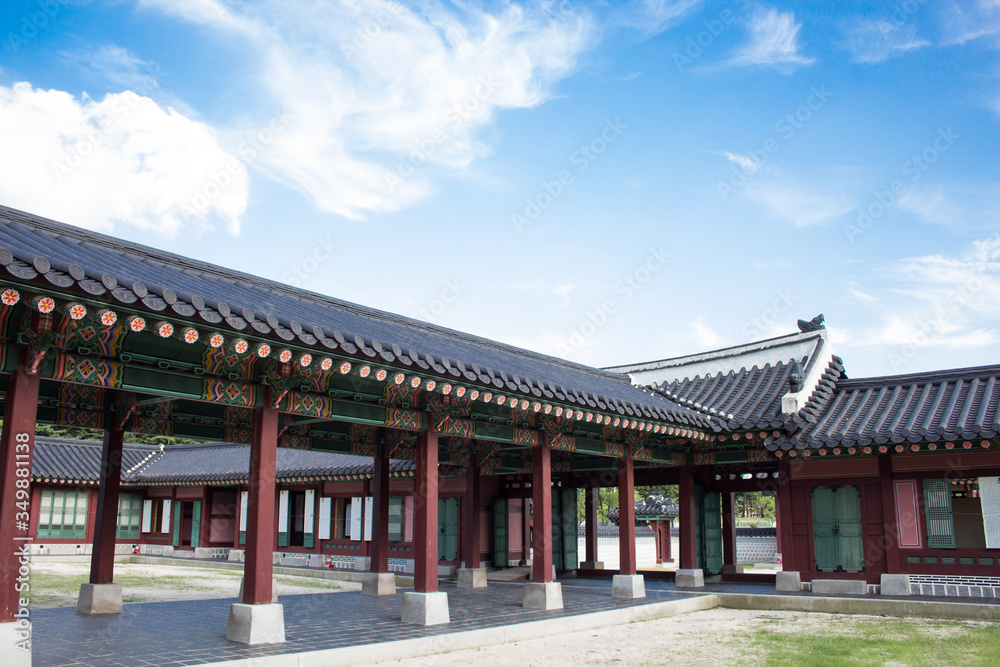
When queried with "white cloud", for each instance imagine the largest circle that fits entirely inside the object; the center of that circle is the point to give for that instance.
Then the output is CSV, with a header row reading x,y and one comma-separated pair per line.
x,y
968,21
801,205
119,160
774,42
653,16
384,93
745,162
119,66
963,206
704,336
879,40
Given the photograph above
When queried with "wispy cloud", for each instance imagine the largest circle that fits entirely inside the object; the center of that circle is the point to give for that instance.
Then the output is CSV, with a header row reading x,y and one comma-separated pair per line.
x,y
652,17
799,204
774,42
119,66
968,21
747,163
879,40
384,93
961,206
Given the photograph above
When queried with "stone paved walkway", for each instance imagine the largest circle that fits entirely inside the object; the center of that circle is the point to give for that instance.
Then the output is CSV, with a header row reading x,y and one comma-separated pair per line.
x,y
169,634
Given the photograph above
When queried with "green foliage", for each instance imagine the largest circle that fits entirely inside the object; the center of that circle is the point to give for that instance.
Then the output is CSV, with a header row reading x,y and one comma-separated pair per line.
x,y
757,506
54,431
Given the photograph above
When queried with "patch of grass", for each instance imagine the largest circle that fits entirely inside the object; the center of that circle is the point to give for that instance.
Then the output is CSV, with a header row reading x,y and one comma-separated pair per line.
x,y
877,642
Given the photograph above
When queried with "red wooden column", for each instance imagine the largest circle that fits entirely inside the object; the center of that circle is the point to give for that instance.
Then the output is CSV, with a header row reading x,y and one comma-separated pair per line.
x,y
541,532
687,518
890,519
258,569
626,515
783,502
668,539
590,522
102,561
472,509
728,528
16,448
380,527
425,520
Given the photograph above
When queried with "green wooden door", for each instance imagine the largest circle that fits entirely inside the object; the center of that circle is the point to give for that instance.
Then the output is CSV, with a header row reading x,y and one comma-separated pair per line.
x,y
178,510
557,532
196,524
499,532
939,514
447,528
699,526
570,555
712,524
837,536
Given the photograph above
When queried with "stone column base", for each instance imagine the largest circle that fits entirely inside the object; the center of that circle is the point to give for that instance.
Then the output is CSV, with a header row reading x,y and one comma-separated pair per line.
x,y
274,591
732,569
256,624
472,577
546,595
426,608
378,583
592,565
15,643
788,582
689,578
630,586
895,584
363,563
99,599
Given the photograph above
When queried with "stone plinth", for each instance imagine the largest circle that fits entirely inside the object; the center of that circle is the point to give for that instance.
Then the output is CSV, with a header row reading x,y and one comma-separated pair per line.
x,y
472,577
732,569
628,586
99,599
839,587
788,582
256,624
15,643
543,595
592,565
378,583
689,579
895,584
426,608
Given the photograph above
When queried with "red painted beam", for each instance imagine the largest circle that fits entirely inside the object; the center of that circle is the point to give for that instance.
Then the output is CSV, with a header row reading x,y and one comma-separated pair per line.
x,y
425,520
590,522
541,525
687,518
626,515
17,443
102,560
380,526
258,567
472,542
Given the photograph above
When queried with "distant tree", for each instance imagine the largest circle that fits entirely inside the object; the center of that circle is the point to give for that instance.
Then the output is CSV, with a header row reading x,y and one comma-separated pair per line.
x,y
72,433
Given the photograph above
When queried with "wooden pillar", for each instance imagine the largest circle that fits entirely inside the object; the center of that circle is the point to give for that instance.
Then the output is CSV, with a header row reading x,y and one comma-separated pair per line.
x,y
525,529
626,515
687,518
472,543
728,528
783,509
380,520
590,522
258,567
668,539
541,491
17,443
102,560
425,521
890,538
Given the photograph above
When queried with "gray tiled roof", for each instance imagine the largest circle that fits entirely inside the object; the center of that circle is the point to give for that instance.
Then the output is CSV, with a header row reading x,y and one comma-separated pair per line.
x,y
77,461
937,406
657,506
36,248
225,463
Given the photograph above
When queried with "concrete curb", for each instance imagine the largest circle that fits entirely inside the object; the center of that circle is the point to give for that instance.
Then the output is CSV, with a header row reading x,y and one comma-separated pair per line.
x,y
413,648
863,606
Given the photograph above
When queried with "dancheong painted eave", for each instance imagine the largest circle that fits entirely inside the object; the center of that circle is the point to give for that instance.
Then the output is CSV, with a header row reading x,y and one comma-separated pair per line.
x,y
198,301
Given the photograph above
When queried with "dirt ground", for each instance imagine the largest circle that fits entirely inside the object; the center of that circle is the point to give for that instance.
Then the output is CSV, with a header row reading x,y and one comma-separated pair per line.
x,y
712,637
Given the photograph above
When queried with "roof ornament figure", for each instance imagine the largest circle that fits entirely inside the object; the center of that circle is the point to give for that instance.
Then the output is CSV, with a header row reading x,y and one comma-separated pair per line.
x,y
796,378
815,324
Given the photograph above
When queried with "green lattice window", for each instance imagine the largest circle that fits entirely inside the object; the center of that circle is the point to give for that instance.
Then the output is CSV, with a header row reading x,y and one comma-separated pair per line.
x,y
939,514
395,518
129,516
63,514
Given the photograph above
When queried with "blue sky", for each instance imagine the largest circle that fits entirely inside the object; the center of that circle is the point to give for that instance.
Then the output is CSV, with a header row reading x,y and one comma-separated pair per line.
x,y
606,182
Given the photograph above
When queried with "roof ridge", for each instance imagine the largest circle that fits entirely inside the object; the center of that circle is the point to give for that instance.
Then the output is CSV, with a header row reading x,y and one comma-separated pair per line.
x,y
993,369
